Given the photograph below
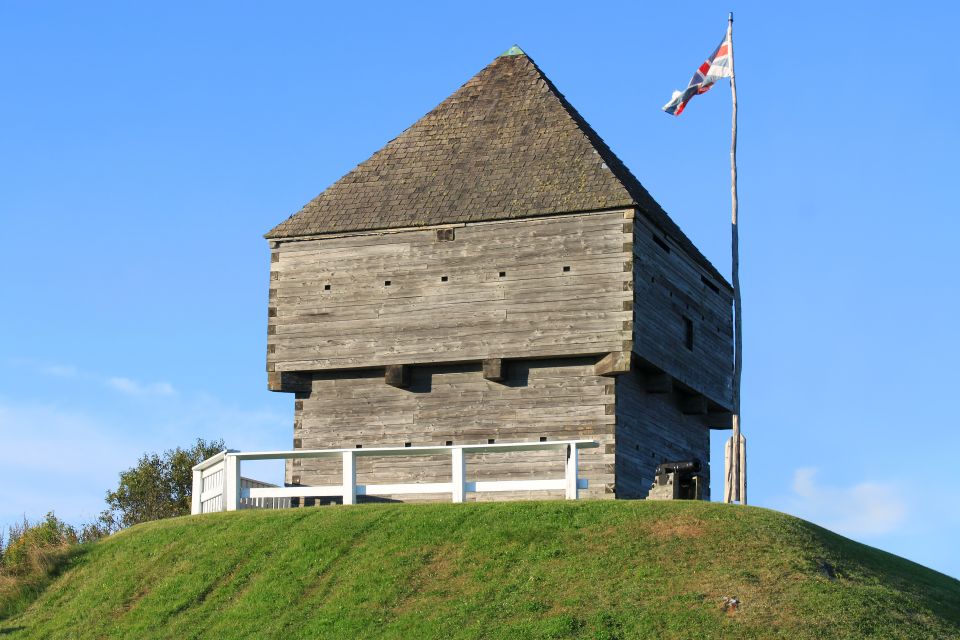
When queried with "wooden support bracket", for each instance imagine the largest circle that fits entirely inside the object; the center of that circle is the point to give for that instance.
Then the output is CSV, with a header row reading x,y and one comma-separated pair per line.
x,y
397,375
613,364
495,369
695,405
288,382
720,420
657,383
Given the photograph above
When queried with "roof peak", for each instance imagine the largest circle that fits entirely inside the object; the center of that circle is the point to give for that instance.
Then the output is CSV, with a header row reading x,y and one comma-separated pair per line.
x,y
506,145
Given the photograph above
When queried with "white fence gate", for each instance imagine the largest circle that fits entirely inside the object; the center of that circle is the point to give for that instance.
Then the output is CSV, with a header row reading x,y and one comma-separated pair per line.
x,y
218,485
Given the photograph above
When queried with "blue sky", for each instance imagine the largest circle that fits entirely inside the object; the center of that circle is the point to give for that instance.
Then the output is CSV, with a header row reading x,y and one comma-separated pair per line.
x,y
146,147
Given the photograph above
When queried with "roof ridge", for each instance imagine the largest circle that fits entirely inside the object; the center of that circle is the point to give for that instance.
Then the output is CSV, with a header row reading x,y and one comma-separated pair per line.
x,y
507,144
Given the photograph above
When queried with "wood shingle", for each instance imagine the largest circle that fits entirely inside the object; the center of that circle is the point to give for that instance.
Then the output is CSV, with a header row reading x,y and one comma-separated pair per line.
x,y
506,145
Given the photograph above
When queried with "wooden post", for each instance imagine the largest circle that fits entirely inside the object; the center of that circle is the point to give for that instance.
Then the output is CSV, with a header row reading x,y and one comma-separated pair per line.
x,y
571,472
349,478
735,485
459,474
195,504
743,469
231,482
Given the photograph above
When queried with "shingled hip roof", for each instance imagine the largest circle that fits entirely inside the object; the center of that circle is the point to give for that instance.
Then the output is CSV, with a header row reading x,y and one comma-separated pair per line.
x,y
505,145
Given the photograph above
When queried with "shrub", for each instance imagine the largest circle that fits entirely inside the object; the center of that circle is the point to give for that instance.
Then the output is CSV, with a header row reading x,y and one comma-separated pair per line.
x,y
159,486
32,554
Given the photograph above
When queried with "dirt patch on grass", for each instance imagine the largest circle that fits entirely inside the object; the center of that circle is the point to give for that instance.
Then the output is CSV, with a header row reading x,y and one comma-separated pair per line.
x,y
672,529
664,529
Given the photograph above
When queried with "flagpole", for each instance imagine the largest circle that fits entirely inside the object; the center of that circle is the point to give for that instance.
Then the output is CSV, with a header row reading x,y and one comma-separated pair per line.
x,y
736,481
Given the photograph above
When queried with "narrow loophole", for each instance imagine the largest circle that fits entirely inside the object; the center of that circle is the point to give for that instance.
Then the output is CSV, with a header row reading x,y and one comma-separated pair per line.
x,y
326,287
443,278
491,441
566,269
407,444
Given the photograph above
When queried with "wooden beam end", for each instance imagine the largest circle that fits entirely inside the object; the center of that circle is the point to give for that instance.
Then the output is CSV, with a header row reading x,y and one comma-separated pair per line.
x,y
495,369
288,382
397,375
720,420
613,364
694,405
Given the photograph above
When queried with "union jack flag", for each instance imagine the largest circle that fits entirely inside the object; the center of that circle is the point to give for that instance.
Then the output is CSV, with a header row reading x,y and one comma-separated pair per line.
x,y
717,66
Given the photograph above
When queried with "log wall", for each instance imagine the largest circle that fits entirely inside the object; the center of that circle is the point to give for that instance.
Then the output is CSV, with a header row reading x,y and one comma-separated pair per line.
x,y
553,399
542,287
651,429
674,295
550,296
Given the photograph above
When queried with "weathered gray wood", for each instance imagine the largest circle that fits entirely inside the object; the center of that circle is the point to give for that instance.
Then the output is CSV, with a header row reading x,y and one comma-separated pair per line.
x,y
668,288
693,405
613,364
397,375
736,475
651,429
494,369
657,382
565,299
287,382
536,309
556,399
720,420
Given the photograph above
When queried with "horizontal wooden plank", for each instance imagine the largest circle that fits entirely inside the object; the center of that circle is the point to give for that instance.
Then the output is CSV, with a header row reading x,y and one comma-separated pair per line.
x,y
561,292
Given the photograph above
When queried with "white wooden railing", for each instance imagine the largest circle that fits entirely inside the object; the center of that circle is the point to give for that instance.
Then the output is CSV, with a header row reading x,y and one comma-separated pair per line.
x,y
218,485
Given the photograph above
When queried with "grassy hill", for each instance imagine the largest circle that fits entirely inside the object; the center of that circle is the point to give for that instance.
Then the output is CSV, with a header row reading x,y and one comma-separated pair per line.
x,y
508,570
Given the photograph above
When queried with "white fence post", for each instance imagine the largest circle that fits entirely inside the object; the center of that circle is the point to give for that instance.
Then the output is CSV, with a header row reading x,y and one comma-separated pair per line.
x,y
195,507
571,475
459,474
349,478
231,482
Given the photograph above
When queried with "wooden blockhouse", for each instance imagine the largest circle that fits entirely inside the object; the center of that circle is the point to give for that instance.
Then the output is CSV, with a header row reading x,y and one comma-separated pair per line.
x,y
496,274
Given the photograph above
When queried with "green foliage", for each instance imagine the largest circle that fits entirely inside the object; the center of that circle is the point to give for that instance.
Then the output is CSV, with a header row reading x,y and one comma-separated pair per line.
x,y
24,540
159,486
503,570
30,557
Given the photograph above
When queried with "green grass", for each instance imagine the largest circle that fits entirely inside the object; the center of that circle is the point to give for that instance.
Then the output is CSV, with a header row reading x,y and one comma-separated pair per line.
x,y
504,570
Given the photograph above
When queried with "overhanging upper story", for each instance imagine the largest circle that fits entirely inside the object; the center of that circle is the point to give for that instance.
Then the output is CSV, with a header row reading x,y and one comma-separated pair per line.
x,y
499,226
